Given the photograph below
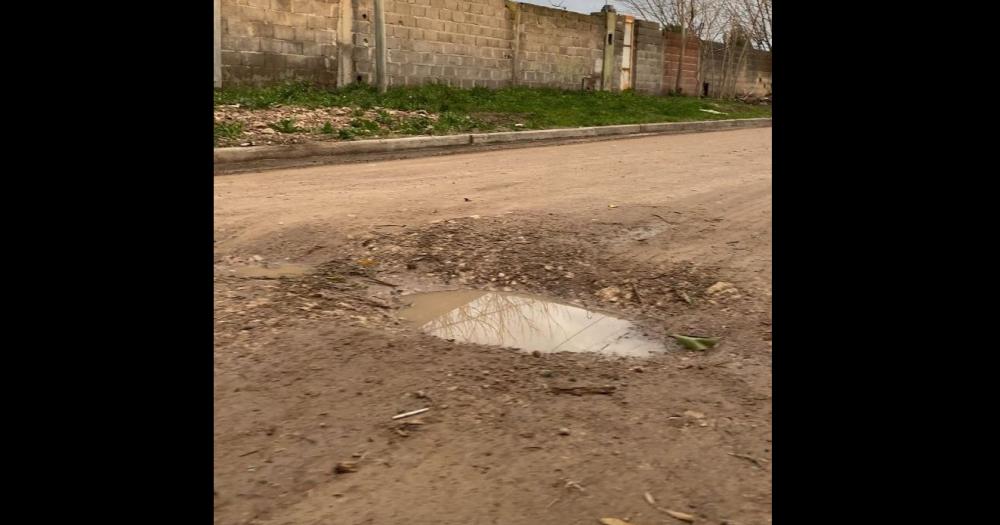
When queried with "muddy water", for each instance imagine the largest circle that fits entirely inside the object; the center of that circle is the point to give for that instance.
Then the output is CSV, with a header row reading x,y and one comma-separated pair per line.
x,y
527,322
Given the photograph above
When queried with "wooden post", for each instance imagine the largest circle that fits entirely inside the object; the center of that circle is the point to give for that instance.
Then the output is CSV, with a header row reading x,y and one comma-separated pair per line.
x,y
381,75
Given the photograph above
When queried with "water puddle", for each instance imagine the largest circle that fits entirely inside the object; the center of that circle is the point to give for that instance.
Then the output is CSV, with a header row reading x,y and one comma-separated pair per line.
x,y
526,322
272,270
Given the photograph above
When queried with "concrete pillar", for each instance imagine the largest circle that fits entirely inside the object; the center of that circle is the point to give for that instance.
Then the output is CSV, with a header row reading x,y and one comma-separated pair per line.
x,y
381,75
345,43
515,63
218,43
609,47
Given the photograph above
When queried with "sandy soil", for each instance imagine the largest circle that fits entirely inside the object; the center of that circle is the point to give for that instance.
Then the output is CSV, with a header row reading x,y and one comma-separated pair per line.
x,y
312,361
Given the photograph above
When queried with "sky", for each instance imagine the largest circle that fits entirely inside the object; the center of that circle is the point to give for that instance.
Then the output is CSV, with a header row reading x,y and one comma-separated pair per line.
x,y
580,6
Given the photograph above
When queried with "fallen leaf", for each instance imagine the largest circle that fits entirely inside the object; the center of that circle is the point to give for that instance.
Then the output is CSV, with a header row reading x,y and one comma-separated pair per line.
x,y
696,343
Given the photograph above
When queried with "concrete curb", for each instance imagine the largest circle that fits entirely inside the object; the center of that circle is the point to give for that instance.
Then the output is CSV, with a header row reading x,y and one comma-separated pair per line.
x,y
228,156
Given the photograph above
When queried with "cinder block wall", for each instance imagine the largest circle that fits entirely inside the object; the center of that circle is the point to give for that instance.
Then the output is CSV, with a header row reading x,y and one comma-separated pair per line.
x,y
463,43
267,41
751,76
560,48
648,57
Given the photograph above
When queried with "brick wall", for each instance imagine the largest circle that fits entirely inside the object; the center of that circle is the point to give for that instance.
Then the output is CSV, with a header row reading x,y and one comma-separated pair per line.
x,y
672,60
266,41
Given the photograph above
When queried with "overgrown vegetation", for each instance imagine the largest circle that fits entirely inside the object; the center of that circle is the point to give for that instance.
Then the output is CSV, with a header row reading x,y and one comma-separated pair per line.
x,y
285,126
541,107
483,109
228,130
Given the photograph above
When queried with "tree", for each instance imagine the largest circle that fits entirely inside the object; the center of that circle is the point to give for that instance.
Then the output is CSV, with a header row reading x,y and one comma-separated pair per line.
x,y
707,20
754,17
730,28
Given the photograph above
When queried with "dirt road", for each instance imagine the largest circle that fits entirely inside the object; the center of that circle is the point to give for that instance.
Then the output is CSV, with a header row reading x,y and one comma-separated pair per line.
x,y
312,360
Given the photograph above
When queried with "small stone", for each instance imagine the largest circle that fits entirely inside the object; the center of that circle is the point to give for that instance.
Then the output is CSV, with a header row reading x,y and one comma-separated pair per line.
x,y
638,369
721,287
610,293
345,466
564,431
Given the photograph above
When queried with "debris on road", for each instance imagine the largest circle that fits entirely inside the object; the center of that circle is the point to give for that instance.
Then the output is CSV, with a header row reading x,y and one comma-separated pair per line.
x,y
721,287
583,390
695,342
755,461
345,466
610,293
413,413
672,513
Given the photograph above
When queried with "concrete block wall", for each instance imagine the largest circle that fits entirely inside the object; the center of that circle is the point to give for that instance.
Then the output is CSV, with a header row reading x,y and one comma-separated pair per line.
x,y
672,60
464,43
649,48
560,48
267,41
751,76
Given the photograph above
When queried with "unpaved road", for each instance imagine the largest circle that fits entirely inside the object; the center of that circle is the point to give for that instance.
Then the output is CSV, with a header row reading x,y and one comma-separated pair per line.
x,y
310,367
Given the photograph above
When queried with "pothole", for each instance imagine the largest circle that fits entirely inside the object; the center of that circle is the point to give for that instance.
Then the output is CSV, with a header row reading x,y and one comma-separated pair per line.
x,y
526,322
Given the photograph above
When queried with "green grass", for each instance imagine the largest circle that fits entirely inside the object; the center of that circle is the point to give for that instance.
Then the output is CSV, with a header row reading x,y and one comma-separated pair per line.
x,y
228,130
285,126
483,109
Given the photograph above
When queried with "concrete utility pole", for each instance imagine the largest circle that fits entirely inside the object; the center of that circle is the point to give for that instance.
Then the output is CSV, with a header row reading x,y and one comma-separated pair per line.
x,y
515,63
218,44
345,44
609,46
381,75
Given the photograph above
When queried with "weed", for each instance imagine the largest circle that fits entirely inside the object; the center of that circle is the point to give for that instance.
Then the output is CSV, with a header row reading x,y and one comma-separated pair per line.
x,y
285,126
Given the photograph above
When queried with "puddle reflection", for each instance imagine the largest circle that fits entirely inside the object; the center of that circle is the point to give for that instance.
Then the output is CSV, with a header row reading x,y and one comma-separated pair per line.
x,y
526,322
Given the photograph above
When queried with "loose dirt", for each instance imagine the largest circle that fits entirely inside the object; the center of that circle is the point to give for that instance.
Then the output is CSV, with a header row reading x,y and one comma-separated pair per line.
x,y
670,232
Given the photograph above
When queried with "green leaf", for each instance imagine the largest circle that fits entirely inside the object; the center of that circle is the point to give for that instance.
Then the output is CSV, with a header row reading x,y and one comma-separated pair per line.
x,y
696,343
